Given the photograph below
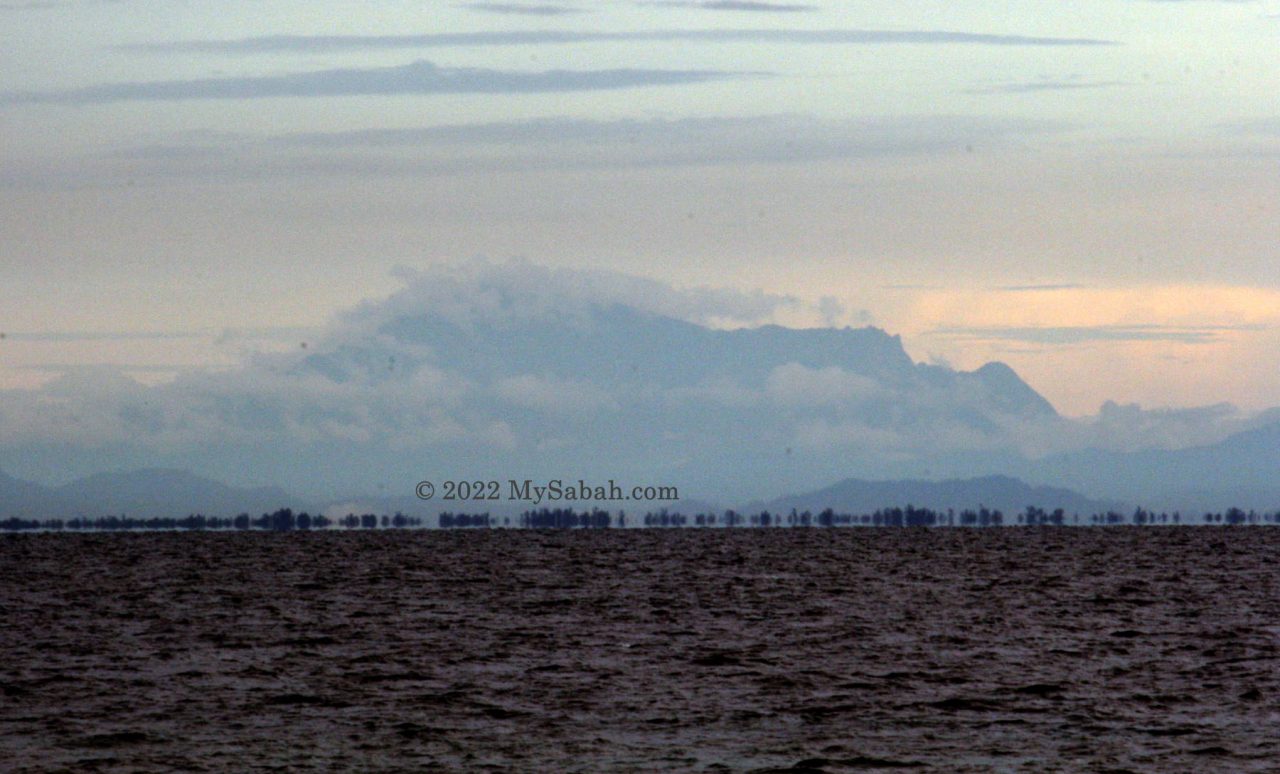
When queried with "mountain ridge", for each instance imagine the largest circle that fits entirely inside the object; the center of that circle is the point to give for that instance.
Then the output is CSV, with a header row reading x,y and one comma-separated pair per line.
x,y
165,492
995,492
1244,465
139,493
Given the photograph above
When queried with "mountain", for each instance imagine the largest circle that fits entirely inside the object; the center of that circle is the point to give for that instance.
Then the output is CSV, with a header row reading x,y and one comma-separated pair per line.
x,y
612,391
617,345
149,493
528,376
1242,470
1008,495
25,500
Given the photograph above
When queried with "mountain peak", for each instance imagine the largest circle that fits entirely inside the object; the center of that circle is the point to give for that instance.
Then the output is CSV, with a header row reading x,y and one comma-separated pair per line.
x,y
1009,392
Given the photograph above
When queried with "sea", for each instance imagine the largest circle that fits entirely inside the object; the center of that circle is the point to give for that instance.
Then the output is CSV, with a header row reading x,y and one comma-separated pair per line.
x,y
1015,649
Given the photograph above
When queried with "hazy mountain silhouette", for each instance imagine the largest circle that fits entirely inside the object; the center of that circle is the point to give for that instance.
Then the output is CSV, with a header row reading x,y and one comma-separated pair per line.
x,y
615,345
1243,470
144,494
25,500
1003,493
519,372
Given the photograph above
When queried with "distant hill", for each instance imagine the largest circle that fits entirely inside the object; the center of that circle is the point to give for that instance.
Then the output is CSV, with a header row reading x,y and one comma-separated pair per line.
x,y
148,493
1008,495
1242,470
25,500
163,492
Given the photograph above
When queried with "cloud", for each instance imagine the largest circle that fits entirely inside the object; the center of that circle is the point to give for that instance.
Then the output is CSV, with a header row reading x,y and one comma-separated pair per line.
x,y
797,385
786,135
419,77
1155,312
65,336
1032,87
529,146
1200,334
338,43
560,396
1039,288
737,5
482,290
1129,427
222,334
661,142
833,310
517,9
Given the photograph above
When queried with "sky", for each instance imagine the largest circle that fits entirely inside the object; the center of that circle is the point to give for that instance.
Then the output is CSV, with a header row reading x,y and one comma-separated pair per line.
x,y
1087,191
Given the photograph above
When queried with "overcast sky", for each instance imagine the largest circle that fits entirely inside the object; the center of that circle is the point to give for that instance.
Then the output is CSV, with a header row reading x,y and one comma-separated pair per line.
x,y
1089,191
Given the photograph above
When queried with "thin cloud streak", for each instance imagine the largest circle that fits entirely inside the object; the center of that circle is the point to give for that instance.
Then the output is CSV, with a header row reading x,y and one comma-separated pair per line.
x,y
65,336
778,136
335,43
546,144
1037,288
1200,334
736,5
521,147
516,9
421,77
1035,87
223,334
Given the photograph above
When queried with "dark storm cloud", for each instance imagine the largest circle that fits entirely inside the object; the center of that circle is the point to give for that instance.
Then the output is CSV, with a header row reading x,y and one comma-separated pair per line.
x,y
331,43
419,77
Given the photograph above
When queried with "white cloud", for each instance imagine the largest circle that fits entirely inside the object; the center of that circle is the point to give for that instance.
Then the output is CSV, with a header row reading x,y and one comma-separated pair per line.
x,y
559,396
797,385
480,290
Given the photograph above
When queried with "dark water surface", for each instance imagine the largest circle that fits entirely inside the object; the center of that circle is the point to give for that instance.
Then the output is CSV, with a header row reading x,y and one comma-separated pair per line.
x,y
1022,649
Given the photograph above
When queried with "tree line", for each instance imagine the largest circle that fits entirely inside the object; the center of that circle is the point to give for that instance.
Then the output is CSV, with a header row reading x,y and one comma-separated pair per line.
x,y
282,520
286,520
